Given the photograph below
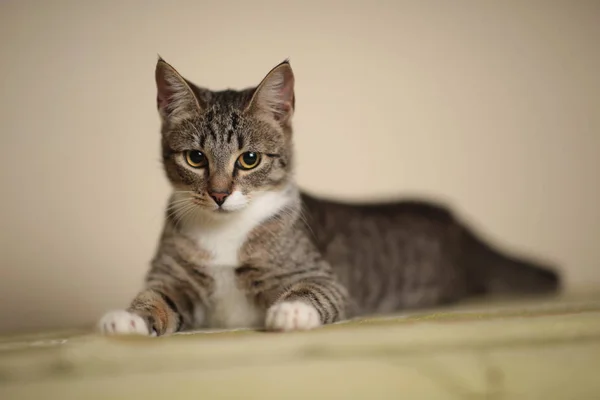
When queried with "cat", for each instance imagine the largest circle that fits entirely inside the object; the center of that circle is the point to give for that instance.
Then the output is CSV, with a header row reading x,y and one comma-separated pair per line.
x,y
243,247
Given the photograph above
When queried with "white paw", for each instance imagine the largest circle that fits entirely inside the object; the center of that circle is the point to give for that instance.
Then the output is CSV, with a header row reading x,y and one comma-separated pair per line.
x,y
122,323
291,316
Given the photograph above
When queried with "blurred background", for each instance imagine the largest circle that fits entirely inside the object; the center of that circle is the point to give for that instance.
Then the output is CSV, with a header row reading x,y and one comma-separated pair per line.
x,y
492,107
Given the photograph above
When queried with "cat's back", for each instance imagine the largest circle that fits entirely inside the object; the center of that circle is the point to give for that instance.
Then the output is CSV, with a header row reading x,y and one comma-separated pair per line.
x,y
380,249
336,216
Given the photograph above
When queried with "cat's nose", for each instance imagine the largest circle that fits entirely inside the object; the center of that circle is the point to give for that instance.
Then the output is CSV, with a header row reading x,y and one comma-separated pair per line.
x,y
219,197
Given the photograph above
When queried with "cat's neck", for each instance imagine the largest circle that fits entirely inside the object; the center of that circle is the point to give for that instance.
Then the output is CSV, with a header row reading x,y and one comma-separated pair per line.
x,y
262,206
223,235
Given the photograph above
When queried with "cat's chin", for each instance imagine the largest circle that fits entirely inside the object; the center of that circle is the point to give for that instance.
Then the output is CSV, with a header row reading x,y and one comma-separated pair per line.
x,y
222,212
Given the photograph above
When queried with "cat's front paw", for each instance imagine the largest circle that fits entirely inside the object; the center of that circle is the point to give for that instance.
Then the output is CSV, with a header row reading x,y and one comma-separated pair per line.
x,y
291,316
123,323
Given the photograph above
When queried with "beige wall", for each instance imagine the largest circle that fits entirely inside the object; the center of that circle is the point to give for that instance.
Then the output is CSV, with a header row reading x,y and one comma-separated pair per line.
x,y
493,106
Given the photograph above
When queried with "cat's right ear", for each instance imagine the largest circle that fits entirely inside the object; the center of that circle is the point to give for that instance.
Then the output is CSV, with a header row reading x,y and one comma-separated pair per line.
x,y
175,98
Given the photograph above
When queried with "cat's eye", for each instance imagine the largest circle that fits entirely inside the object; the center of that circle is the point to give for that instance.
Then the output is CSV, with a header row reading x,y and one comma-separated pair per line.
x,y
195,158
248,160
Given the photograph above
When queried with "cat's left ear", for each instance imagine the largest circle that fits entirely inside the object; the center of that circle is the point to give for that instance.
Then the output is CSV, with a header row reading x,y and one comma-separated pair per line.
x,y
275,94
175,98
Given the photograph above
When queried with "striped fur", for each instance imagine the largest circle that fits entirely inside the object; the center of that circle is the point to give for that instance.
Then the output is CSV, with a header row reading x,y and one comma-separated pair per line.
x,y
272,257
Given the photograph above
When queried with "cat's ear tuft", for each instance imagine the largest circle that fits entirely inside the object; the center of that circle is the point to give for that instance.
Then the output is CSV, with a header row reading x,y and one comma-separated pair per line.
x,y
175,98
275,94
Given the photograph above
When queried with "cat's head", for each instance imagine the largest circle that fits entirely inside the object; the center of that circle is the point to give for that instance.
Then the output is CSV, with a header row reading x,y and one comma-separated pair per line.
x,y
222,150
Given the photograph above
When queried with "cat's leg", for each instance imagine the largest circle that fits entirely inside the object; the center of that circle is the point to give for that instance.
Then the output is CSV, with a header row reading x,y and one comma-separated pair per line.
x,y
154,312
307,304
171,300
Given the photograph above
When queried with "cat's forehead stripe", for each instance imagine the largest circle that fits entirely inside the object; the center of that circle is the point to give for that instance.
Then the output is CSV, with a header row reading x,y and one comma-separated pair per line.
x,y
234,120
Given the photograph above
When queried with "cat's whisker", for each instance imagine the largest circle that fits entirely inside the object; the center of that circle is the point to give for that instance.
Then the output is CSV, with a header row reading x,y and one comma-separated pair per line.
x,y
185,215
177,219
303,218
173,214
184,207
176,210
179,202
173,210
192,215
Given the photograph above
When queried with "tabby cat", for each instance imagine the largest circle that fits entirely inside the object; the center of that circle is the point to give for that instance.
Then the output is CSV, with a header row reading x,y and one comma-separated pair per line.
x,y
242,246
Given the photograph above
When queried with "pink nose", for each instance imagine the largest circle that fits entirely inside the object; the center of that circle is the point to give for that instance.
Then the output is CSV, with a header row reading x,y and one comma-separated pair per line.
x,y
219,197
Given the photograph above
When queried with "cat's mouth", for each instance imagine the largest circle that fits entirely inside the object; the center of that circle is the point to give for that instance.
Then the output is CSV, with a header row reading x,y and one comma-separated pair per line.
x,y
212,208
227,207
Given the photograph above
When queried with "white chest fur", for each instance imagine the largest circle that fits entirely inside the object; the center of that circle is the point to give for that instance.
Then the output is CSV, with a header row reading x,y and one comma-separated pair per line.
x,y
223,238
231,308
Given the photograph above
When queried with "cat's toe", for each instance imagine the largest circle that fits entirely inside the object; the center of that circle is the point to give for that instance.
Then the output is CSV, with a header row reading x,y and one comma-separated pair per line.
x,y
292,315
122,323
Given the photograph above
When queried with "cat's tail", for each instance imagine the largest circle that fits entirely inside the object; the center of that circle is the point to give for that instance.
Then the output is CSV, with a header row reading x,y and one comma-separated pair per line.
x,y
490,271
